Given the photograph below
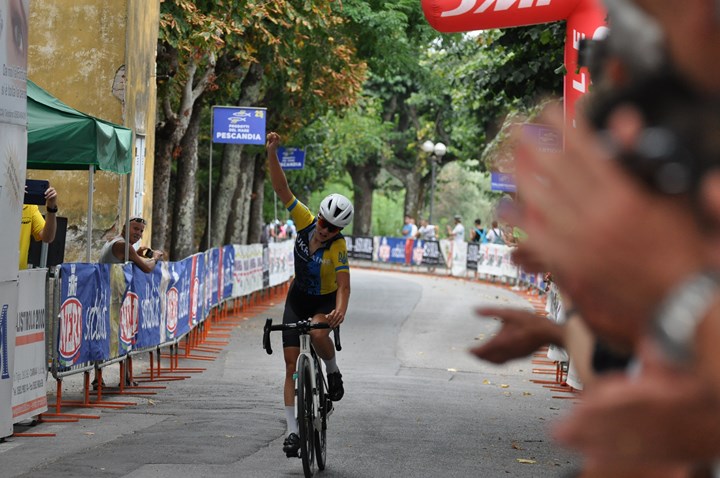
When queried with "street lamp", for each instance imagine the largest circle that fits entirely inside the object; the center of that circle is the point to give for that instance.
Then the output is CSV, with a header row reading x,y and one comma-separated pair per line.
x,y
436,151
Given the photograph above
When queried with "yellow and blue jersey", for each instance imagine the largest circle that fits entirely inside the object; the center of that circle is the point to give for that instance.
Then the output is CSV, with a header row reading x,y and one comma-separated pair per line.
x,y
315,274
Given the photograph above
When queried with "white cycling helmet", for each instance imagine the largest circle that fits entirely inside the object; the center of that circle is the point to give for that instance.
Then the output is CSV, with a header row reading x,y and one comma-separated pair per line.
x,y
337,210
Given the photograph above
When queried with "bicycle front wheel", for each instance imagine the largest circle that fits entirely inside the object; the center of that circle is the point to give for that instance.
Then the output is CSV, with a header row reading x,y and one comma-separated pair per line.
x,y
320,434
305,416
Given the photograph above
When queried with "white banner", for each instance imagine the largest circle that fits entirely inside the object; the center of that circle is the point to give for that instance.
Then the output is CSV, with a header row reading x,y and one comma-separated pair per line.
x,y
29,384
8,320
496,260
247,277
282,261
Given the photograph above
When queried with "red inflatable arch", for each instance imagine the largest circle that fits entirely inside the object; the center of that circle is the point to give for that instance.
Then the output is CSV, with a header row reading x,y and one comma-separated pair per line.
x,y
585,19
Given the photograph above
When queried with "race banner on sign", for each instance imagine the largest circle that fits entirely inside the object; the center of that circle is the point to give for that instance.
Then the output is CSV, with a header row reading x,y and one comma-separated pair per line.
x,y
29,385
8,319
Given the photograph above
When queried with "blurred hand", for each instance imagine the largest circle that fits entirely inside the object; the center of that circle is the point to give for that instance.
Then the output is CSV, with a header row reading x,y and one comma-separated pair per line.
x,y
608,241
522,333
664,415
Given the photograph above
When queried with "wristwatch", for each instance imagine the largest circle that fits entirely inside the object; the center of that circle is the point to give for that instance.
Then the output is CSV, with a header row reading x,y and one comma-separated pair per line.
x,y
51,209
680,313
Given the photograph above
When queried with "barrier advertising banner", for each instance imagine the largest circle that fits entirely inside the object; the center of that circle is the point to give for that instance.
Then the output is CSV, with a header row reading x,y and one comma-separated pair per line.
x,y
228,266
431,253
282,261
29,396
8,319
496,260
248,274
84,319
360,247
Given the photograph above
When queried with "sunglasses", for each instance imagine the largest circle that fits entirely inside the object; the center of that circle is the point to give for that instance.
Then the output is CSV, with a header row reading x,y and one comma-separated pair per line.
x,y
138,219
322,222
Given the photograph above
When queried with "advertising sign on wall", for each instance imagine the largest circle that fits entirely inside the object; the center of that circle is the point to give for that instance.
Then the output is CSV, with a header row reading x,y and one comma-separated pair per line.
x,y
29,384
8,318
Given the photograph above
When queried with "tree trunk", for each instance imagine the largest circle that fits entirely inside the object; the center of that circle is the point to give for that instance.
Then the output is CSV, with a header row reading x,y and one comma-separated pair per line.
x,y
161,184
250,93
237,224
257,221
183,236
167,142
364,178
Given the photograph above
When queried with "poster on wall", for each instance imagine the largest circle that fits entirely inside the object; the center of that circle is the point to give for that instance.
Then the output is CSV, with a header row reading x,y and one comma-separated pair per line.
x,y
8,319
13,58
29,382
13,127
13,158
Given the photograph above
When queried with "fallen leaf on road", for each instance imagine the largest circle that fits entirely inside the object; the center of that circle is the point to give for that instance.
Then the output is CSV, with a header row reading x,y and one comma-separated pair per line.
x,y
515,446
89,433
486,382
504,385
528,462
452,370
527,394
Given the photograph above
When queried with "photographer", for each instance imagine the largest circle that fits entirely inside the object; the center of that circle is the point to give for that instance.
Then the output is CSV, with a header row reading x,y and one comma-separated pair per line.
x,y
113,252
33,223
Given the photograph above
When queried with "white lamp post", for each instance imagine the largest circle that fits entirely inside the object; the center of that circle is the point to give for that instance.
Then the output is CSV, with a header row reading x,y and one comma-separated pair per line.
x,y
436,151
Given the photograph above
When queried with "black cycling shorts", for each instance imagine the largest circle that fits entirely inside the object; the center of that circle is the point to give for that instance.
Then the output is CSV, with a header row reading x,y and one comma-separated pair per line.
x,y
301,306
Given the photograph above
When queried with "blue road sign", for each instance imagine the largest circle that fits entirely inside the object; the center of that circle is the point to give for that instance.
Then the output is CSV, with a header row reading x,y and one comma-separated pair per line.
x,y
502,182
239,125
291,158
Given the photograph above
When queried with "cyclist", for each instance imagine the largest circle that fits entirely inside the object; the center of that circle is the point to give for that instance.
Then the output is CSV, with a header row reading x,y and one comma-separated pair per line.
x,y
321,288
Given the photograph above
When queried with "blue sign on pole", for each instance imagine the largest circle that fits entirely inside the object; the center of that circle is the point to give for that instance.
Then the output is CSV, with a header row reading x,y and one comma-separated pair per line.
x,y
291,158
238,125
504,182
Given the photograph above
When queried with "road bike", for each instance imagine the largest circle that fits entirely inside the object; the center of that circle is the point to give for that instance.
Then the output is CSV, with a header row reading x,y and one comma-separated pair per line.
x,y
312,405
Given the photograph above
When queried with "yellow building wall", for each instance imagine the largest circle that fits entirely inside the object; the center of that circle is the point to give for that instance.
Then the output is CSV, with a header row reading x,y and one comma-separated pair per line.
x,y
97,56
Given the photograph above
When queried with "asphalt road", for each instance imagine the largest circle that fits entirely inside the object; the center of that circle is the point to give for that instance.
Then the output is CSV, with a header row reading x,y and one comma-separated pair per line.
x,y
416,403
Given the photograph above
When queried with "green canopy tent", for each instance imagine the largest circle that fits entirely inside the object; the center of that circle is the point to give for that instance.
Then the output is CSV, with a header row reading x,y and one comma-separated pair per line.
x,y
60,137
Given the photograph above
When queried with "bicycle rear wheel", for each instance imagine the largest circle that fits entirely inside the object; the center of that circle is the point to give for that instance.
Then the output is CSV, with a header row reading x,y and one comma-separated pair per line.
x,y
320,443
305,417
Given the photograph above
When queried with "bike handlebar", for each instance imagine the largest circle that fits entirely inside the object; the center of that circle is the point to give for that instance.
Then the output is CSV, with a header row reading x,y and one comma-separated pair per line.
x,y
303,327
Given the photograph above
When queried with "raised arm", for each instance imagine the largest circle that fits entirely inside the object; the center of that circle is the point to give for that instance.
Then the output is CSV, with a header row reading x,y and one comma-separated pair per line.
x,y
277,175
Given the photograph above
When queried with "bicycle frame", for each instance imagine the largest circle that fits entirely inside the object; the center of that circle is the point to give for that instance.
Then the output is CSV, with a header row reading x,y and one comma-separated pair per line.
x,y
307,350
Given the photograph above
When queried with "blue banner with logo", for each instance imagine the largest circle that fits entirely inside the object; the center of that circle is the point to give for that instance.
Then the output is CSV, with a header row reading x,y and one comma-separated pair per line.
x,y
238,125
121,277
392,250
178,300
291,158
84,321
197,291
150,319
228,261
